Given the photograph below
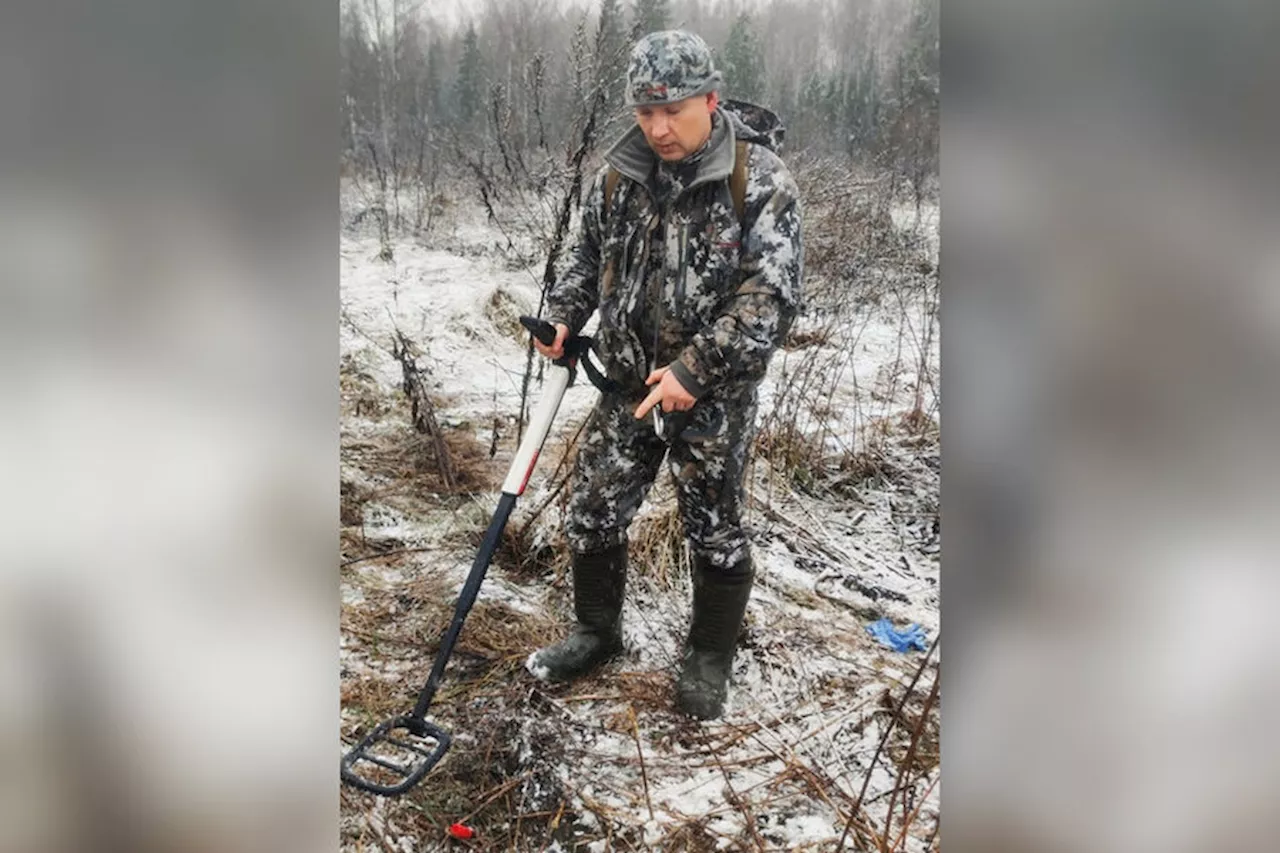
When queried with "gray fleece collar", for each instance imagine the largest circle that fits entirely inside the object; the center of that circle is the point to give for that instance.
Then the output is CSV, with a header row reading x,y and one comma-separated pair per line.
x,y
633,157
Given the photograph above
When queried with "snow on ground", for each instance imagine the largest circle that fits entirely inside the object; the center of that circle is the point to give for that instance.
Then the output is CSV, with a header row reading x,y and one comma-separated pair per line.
x,y
446,304
607,763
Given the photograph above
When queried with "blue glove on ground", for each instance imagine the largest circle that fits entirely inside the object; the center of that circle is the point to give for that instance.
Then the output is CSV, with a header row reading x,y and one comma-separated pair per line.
x,y
912,636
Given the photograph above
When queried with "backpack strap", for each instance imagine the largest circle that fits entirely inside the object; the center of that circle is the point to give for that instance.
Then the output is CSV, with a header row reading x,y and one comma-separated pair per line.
x,y
606,280
610,184
738,179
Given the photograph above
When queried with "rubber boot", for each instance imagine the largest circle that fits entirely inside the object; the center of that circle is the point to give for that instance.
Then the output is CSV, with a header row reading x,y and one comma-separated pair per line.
x,y
719,605
599,581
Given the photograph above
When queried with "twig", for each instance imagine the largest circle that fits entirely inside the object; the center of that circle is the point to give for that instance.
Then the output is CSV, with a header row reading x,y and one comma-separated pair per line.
x,y
904,772
383,841
837,554
644,775
897,714
796,767
494,794
591,697
424,414
740,803
368,557
937,827
908,820
586,144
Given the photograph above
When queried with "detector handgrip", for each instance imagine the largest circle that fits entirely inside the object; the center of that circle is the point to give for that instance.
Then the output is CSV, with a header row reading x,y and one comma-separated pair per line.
x,y
540,329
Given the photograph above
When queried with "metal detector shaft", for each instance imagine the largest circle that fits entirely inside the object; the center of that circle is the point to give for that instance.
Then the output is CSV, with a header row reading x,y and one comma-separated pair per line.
x,y
517,478
415,724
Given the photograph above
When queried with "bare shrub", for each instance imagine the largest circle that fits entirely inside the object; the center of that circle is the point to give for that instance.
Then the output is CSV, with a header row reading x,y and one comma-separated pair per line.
x,y
798,339
527,551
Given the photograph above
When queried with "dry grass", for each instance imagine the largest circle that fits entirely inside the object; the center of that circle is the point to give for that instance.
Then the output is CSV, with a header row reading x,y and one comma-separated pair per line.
x,y
691,837
407,459
504,776
497,633
351,499
803,339
501,774
797,457
658,547
646,692
847,222
483,700
393,452
359,393
503,311
920,425
807,466
526,553
857,468
374,699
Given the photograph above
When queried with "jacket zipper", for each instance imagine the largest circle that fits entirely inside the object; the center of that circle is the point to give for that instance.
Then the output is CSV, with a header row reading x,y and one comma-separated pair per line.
x,y
642,268
681,262
657,313
683,269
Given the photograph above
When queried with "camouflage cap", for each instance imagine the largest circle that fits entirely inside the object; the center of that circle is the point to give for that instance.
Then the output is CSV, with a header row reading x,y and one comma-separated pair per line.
x,y
670,65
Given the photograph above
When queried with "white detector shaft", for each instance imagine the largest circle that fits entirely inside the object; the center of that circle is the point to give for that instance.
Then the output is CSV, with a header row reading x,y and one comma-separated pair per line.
x,y
539,425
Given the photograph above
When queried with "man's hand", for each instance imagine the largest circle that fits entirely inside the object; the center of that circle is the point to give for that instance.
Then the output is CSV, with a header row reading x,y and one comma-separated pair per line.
x,y
556,349
668,391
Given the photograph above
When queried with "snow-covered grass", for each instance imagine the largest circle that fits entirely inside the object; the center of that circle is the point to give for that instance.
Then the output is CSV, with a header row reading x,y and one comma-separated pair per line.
x,y
607,763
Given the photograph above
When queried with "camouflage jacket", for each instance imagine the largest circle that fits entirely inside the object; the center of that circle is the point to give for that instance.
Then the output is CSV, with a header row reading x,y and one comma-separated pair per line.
x,y
729,289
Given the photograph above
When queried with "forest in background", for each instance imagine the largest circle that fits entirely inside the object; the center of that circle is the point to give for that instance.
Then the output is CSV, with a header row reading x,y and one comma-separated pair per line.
x,y
521,93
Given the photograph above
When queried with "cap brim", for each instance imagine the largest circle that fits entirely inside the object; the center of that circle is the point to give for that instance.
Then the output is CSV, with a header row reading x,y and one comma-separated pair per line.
x,y
712,83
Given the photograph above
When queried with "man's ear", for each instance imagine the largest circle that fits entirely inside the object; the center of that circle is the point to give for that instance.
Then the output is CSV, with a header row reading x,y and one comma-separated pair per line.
x,y
713,101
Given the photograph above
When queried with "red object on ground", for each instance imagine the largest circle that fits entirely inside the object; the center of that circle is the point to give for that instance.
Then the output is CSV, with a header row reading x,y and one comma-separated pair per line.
x,y
457,830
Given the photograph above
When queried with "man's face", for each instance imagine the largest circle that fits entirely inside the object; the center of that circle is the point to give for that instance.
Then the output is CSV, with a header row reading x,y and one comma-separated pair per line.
x,y
676,130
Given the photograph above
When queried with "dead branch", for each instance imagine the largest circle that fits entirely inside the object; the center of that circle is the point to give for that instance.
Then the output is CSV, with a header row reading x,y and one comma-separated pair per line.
x,y
424,413
884,739
585,145
644,775
904,771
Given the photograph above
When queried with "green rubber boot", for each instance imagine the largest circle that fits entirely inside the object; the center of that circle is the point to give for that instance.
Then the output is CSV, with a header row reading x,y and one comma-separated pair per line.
x,y
719,605
599,581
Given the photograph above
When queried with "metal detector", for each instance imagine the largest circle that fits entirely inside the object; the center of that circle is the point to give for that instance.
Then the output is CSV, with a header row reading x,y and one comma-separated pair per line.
x,y
399,752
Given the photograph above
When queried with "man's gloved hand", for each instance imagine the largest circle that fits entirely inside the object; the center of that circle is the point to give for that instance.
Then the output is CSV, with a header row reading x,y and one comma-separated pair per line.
x,y
556,349
668,391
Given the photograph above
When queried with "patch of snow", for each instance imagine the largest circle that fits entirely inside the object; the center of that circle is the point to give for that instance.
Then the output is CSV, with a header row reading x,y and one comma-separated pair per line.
x,y
537,670
805,829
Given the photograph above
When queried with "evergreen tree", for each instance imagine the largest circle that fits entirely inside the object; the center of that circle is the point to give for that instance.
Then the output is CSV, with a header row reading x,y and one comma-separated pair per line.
x,y
743,61
865,104
918,97
434,84
613,51
470,89
649,16
358,79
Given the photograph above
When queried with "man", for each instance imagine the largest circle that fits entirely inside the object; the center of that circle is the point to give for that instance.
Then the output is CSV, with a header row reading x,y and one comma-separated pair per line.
x,y
694,296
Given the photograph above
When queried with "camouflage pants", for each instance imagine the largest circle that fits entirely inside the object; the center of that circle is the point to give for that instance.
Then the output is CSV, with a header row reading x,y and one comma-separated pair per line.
x,y
620,456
